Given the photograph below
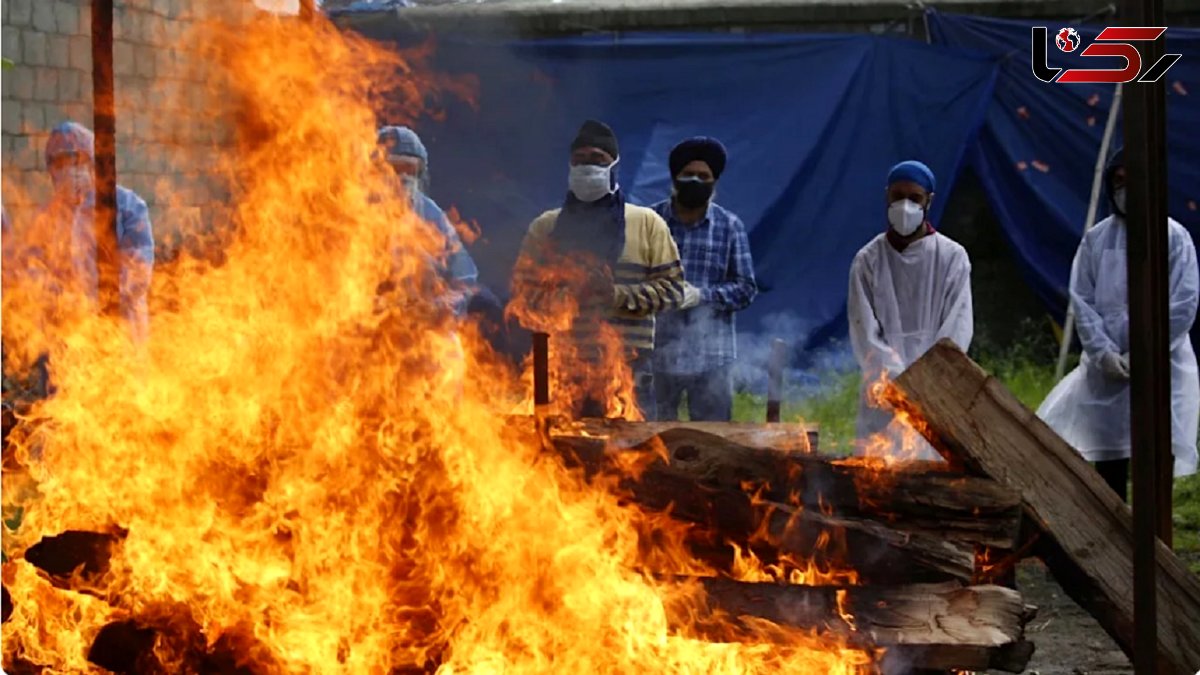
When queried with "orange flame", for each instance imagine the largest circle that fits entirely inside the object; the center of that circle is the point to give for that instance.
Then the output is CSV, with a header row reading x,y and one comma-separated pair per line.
x,y
301,476
903,441
549,297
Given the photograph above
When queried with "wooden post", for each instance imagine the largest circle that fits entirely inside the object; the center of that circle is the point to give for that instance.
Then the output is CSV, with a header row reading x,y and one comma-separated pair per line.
x,y
104,123
541,370
775,366
1149,342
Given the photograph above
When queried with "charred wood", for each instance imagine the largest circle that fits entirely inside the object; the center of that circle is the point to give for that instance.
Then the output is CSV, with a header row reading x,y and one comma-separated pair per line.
x,y
74,551
916,498
879,553
125,648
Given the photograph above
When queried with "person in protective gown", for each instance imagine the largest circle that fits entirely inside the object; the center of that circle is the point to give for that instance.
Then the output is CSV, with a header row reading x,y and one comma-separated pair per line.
x,y
909,287
1090,407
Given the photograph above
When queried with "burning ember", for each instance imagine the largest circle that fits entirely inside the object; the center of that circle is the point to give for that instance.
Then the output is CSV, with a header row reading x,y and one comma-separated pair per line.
x,y
291,474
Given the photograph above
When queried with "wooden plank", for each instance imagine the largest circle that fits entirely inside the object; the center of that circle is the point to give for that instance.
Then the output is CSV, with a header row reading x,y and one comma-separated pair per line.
x,y
781,436
920,626
977,421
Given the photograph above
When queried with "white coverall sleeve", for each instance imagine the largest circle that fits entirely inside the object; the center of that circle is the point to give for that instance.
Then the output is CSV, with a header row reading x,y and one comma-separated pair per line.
x,y
1083,295
137,262
866,334
1184,286
958,323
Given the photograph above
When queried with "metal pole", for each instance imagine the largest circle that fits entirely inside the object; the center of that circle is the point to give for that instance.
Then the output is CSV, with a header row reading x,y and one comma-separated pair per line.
x,y
104,122
1150,390
775,365
1097,175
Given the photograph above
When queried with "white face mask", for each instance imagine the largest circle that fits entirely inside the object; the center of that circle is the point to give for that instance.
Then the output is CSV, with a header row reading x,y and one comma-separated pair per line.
x,y
589,182
412,185
905,216
72,183
1119,199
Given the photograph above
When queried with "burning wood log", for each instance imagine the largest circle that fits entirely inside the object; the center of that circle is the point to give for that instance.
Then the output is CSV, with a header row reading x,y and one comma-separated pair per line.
x,y
6,604
126,648
74,550
1089,546
169,640
950,506
920,626
877,552
622,433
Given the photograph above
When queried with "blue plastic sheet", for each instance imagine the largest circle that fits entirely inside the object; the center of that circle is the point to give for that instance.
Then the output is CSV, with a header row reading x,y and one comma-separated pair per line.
x,y
368,7
1037,151
812,124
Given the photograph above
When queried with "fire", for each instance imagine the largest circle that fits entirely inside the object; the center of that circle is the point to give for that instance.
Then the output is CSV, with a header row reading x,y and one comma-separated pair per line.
x,y
306,485
791,569
576,373
904,439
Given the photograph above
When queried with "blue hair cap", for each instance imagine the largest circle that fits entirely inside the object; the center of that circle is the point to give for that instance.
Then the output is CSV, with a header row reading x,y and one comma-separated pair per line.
x,y
914,171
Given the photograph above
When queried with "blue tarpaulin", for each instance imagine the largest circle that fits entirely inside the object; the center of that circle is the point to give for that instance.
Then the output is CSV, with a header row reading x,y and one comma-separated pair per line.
x,y
1037,151
812,123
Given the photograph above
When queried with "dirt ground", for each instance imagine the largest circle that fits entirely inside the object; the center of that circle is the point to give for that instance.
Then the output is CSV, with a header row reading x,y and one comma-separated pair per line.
x,y
1068,640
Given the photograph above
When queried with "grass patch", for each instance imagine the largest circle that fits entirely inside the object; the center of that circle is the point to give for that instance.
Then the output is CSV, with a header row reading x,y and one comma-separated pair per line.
x,y
832,410
1186,519
1030,382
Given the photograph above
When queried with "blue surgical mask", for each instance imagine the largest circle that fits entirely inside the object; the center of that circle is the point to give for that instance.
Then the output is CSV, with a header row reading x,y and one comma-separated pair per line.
x,y
1119,200
589,182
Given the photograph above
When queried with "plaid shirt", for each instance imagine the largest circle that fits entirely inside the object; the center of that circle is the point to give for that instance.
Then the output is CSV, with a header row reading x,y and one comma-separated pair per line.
x,y
716,259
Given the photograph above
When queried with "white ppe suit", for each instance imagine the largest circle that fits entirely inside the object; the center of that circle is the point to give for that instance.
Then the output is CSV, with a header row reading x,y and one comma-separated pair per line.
x,y
900,304
1090,409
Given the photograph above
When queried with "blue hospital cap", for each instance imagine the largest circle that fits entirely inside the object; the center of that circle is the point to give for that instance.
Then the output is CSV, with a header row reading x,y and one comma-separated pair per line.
x,y
403,141
914,171
70,138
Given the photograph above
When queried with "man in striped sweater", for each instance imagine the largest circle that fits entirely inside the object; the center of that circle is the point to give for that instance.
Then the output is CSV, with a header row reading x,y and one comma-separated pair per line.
x,y
607,265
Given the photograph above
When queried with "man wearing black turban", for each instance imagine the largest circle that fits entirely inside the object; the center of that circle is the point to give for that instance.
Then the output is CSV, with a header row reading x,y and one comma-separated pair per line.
x,y
695,349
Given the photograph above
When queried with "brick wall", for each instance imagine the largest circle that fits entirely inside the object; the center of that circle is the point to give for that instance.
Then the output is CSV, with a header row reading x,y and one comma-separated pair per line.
x,y
163,133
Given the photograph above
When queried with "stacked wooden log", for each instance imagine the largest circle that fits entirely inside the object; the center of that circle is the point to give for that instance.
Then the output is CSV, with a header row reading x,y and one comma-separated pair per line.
x,y
900,547
912,535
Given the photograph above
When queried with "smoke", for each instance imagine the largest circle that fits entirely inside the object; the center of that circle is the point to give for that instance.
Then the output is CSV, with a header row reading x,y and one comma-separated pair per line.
x,y
804,373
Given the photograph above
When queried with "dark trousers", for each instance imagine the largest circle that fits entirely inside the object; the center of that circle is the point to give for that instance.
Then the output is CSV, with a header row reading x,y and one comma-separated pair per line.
x,y
643,389
709,395
1115,472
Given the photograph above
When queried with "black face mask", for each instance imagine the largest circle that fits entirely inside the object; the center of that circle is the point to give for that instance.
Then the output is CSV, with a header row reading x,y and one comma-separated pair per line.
x,y
692,194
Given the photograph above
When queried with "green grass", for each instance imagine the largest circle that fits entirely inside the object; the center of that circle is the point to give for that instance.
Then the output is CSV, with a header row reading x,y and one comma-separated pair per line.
x,y
1186,517
832,411
1029,379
